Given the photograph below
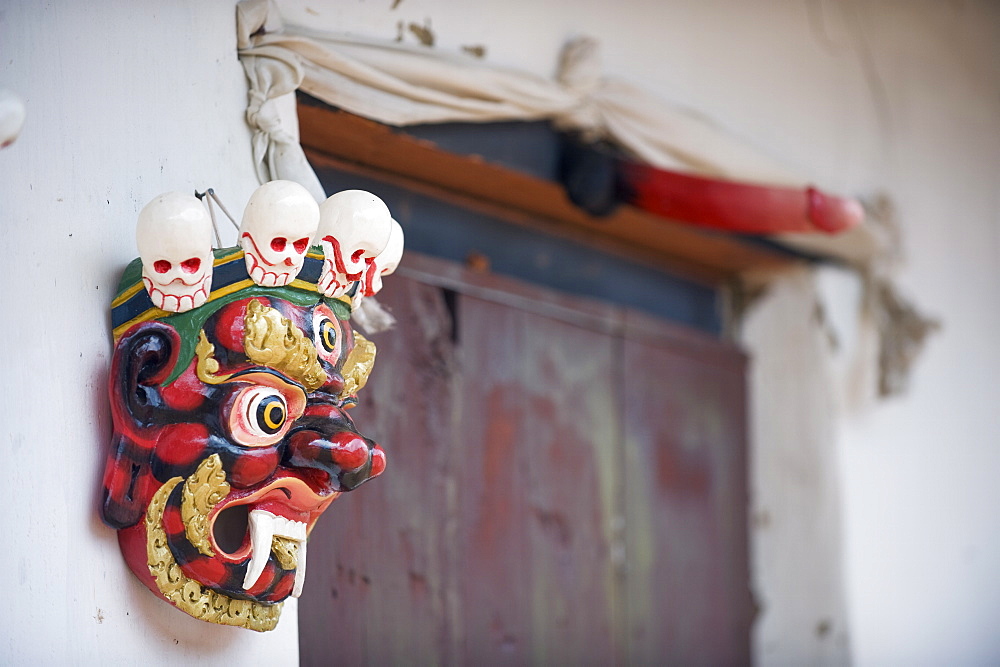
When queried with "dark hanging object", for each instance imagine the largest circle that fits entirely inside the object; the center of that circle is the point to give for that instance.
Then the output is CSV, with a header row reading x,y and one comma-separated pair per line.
x,y
589,174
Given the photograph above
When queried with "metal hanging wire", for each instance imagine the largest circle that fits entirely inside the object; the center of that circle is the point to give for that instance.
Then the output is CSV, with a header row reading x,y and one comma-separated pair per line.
x,y
208,196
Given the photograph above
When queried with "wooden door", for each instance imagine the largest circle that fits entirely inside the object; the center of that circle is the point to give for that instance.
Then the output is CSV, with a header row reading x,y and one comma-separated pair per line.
x,y
566,484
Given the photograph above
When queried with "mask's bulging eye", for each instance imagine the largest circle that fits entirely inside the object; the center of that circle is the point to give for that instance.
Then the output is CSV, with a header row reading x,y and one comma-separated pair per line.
x,y
267,413
259,417
327,334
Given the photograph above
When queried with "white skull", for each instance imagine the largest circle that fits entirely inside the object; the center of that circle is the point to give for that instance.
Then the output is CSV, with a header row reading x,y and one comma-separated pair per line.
x,y
174,235
385,263
278,225
354,227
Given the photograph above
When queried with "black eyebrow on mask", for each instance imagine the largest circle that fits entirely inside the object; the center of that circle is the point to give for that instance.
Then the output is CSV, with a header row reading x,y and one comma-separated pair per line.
x,y
255,370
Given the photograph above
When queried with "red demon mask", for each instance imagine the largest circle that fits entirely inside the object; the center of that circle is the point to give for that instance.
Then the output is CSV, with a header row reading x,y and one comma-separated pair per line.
x,y
231,437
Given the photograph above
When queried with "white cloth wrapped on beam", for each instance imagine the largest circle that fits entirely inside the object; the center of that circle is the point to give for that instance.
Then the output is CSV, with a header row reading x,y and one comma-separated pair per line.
x,y
404,85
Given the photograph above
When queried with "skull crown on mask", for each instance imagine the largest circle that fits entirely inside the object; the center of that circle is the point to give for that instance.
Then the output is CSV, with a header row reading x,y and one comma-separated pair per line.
x,y
174,235
385,262
277,229
354,227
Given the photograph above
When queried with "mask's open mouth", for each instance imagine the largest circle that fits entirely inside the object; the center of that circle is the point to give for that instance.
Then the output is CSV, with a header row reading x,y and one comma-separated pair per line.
x,y
216,532
190,595
272,521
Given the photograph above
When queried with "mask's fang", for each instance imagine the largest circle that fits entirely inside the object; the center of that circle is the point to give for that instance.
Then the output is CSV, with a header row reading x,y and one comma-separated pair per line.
x,y
300,570
261,533
264,527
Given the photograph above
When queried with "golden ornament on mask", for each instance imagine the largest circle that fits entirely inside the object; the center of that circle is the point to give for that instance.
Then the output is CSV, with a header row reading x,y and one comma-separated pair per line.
x,y
358,366
202,491
207,366
187,594
272,340
286,552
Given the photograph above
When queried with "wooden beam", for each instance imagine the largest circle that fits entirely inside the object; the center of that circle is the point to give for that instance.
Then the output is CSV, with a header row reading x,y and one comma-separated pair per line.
x,y
337,139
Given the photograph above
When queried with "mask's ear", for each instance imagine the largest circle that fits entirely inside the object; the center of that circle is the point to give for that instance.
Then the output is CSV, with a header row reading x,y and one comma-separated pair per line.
x,y
142,359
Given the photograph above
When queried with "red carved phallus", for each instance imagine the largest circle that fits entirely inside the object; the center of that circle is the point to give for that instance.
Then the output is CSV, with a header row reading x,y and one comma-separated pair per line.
x,y
736,207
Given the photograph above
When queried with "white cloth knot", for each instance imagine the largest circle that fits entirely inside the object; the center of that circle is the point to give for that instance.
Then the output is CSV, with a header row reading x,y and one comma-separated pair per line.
x,y
580,73
580,65
262,114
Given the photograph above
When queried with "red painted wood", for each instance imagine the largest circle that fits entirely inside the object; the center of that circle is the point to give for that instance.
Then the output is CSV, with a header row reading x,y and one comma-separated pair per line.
x,y
537,485
566,484
687,589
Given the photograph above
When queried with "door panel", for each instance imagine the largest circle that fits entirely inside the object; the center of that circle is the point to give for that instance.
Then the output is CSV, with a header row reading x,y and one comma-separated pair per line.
x,y
685,477
566,484
536,480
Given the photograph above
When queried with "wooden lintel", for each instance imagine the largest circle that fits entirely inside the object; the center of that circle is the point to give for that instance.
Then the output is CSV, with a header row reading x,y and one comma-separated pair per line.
x,y
339,139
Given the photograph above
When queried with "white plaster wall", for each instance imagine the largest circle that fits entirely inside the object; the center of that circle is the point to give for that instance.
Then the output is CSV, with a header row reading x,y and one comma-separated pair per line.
x,y
125,100
920,473
795,520
897,535
876,536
